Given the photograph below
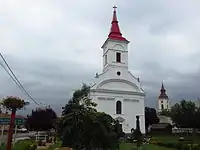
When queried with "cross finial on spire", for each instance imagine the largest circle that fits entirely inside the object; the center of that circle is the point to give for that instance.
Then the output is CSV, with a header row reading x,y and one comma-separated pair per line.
x,y
162,91
162,87
115,31
115,7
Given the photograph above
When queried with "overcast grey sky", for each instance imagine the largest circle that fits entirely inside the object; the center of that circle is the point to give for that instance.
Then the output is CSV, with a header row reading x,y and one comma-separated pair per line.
x,y
54,45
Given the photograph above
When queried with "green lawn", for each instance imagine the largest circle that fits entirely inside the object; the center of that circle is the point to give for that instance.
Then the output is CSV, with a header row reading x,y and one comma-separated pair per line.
x,y
170,138
125,146
23,145
52,147
154,147
129,146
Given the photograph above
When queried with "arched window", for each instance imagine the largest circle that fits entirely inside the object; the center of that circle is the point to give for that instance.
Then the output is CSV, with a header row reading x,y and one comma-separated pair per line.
x,y
118,107
118,57
162,106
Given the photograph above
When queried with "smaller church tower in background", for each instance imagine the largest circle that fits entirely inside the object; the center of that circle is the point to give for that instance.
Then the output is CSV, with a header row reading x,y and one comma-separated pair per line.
x,y
163,100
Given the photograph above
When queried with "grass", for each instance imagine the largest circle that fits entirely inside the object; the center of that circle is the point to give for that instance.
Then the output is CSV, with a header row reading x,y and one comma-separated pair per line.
x,y
23,145
129,146
155,147
126,146
52,147
170,138
161,138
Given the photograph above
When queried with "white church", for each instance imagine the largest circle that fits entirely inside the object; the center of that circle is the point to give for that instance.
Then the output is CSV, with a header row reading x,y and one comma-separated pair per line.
x,y
163,100
163,104
115,90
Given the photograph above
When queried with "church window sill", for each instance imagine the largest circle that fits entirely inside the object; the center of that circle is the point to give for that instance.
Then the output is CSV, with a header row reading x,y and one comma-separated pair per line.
x,y
119,114
118,62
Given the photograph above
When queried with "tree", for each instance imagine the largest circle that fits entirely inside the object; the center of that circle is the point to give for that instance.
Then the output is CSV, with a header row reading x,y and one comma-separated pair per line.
x,y
41,120
83,127
198,116
165,112
99,132
184,114
150,117
13,104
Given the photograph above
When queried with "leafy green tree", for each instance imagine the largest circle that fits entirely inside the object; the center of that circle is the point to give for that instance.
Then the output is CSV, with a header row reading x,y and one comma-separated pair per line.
x,y
150,117
184,114
41,120
83,127
198,116
165,112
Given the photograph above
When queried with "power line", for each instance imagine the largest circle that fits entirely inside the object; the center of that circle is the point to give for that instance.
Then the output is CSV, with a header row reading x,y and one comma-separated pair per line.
x,y
16,80
10,75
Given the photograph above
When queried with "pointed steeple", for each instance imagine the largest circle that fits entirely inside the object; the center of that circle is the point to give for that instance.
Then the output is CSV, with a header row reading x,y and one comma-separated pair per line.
x,y
115,33
162,88
163,92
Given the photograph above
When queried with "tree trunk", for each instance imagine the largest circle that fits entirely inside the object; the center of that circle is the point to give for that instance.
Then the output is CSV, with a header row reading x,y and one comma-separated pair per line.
x,y
10,132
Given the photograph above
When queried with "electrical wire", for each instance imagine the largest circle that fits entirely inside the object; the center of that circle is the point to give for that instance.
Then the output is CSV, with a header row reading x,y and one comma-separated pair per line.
x,y
14,78
10,75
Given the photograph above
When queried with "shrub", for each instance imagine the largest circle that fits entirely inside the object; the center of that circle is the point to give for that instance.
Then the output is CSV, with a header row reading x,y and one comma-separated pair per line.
x,y
33,147
49,140
2,146
41,143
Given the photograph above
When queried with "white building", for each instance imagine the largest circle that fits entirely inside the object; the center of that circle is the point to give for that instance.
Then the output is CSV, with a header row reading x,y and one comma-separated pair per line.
x,y
116,91
163,100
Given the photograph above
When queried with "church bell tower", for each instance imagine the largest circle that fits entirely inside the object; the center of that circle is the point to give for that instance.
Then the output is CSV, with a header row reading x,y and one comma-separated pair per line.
x,y
115,48
163,100
116,91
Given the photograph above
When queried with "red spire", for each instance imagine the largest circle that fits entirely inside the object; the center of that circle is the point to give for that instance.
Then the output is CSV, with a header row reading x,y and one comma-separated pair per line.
x,y
115,31
162,92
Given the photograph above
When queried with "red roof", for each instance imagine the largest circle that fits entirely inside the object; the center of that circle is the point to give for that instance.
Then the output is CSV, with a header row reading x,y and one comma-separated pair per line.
x,y
115,33
163,93
20,117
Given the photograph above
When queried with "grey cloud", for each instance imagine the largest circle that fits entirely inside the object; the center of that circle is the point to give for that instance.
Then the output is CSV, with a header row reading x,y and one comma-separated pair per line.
x,y
179,86
54,46
46,81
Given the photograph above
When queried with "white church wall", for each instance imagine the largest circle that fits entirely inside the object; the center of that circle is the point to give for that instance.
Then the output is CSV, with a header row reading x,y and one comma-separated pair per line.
x,y
112,74
115,86
133,109
110,49
111,58
132,105
115,44
164,102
